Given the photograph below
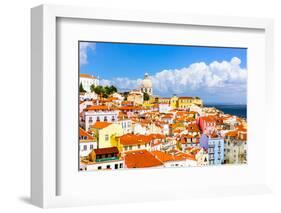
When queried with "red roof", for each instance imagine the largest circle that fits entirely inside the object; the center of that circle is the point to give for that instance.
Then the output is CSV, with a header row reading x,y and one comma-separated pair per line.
x,y
173,156
83,133
108,150
208,118
131,139
101,125
141,159
86,76
98,107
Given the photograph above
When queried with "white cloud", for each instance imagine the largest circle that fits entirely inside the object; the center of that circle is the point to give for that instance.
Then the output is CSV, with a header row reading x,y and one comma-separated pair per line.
x,y
84,47
198,78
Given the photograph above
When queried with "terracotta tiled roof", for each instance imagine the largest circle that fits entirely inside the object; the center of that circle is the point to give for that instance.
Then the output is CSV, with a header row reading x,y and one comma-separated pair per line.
x,y
132,139
231,134
83,133
208,118
141,159
156,136
173,156
162,156
101,125
97,107
108,150
87,76
193,128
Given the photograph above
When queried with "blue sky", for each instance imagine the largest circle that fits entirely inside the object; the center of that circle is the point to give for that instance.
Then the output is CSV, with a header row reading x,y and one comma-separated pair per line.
x,y
217,75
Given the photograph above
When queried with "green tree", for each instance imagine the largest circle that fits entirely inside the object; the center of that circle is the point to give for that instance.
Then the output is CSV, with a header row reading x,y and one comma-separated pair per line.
x,y
99,90
92,88
107,90
145,96
81,88
113,89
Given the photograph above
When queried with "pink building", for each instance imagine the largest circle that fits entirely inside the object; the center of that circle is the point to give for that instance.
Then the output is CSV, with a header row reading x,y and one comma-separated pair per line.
x,y
207,124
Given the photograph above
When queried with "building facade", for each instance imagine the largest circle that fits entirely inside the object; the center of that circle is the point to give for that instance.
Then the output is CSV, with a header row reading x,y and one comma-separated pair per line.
x,y
107,134
146,85
92,114
87,81
214,145
86,143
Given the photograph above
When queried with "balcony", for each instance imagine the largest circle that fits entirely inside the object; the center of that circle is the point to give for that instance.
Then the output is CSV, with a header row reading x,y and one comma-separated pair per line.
x,y
107,159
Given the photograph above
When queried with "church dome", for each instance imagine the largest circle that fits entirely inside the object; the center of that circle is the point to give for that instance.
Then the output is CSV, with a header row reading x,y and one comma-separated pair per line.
x,y
146,82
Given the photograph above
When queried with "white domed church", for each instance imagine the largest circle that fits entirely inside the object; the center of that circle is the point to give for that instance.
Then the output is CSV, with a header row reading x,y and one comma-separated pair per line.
x,y
146,85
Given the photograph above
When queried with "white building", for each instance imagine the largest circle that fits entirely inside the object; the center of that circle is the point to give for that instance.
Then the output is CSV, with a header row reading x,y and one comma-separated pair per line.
x,y
87,143
88,80
139,128
93,114
84,104
146,85
118,96
126,125
235,149
88,96
164,108
112,165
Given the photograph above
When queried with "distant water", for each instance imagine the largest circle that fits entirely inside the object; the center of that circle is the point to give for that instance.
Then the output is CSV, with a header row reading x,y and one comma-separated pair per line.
x,y
232,109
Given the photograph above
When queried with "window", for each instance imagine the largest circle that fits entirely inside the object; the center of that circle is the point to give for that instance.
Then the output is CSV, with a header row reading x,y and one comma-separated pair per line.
x,y
121,165
106,137
99,168
85,147
91,146
116,166
139,146
126,148
108,167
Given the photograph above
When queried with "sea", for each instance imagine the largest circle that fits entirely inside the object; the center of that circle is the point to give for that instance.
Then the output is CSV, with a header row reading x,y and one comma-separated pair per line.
x,y
232,109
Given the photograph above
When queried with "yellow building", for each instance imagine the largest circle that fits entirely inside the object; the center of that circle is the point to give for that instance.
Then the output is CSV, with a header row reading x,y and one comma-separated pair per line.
x,y
132,142
107,133
185,102
198,101
174,103
164,100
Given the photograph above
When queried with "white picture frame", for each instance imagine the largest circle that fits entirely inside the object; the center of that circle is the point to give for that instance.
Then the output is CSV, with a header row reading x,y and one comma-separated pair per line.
x,y
44,83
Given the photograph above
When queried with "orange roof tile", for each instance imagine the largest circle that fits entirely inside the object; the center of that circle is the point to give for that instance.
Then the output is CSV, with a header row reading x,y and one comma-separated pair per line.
x,y
101,125
97,107
156,136
83,133
231,134
174,155
209,118
141,159
86,76
132,139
